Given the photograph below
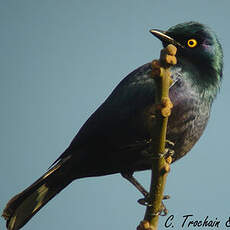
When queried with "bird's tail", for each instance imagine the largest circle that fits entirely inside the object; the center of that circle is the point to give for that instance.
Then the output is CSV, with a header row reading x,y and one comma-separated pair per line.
x,y
21,208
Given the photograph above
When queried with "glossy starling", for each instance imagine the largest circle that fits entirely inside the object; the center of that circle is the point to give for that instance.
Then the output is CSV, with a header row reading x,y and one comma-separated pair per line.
x,y
116,137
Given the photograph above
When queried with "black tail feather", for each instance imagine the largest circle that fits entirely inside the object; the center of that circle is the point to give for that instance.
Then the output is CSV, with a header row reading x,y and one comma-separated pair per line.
x,y
22,207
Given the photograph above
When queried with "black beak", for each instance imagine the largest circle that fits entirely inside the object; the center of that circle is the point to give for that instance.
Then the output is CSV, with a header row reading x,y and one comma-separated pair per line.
x,y
165,38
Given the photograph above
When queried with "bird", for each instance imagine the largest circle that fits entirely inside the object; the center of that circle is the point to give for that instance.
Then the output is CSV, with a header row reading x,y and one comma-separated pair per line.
x,y
117,136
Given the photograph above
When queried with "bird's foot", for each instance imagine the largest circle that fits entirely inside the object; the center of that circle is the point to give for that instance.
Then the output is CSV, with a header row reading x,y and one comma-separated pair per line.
x,y
146,200
169,152
163,210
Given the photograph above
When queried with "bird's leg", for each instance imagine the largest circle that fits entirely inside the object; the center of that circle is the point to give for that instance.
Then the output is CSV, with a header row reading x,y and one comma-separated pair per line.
x,y
169,152
135,182
144,201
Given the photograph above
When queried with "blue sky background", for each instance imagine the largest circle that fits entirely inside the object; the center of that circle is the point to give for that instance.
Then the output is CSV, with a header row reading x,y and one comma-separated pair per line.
x,y
59,60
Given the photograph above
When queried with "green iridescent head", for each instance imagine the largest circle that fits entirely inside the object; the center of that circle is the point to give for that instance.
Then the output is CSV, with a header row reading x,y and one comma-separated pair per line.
x,y
199,45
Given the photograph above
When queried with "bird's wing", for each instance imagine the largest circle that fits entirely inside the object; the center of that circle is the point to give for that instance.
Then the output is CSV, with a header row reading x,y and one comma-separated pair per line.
x,y
117,119
121,122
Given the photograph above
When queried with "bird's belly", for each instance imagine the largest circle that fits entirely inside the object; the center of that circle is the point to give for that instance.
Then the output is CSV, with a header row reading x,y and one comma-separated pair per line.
x,y
186,125
122,146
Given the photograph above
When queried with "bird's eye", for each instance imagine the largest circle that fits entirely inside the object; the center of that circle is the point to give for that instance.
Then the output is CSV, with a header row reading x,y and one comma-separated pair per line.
x,y
192,43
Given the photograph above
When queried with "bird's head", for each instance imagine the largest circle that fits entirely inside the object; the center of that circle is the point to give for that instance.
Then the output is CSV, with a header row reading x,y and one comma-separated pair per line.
x,y
197,44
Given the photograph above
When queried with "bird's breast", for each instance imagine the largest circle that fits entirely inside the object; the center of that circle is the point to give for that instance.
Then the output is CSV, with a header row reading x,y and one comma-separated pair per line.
x,y
188,119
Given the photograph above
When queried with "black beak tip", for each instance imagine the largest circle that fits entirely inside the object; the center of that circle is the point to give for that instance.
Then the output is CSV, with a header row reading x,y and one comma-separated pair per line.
x,y
151,31
156,32
162,35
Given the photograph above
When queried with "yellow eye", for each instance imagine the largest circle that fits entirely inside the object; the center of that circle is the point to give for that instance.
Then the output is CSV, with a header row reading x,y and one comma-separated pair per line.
x,y
192,43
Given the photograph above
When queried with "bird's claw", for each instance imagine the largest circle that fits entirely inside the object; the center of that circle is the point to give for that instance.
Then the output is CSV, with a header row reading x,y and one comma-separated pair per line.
x,y
163,210
166,197
168,151
146,202
170,143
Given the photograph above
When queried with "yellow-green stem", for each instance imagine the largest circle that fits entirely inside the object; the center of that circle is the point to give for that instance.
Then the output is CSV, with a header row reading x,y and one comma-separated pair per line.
x,y
160,167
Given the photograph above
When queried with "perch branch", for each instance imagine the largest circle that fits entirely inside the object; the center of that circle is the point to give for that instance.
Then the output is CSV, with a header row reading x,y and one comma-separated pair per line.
x,y
160,164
